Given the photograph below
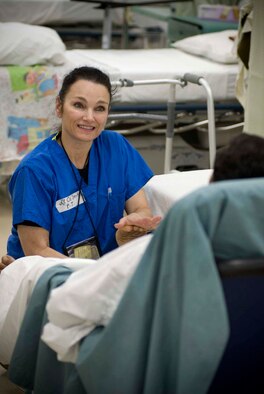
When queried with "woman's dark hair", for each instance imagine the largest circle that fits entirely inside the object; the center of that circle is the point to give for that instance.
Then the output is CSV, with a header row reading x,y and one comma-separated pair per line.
x,y
84,73
242,158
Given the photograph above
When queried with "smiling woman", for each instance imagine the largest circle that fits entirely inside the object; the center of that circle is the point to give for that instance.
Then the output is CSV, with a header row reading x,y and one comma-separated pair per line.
x,y
69,194
83,110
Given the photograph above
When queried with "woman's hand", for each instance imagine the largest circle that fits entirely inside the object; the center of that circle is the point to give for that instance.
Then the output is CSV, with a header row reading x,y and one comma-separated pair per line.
x,y
5,261
138,221
133,226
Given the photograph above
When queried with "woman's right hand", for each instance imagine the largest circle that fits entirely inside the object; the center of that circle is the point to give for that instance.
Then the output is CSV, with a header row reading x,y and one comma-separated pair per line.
x,y
5,261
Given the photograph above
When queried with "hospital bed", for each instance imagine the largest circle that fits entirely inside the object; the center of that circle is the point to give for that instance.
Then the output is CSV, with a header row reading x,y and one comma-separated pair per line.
x,y
168,324
27,108
44,12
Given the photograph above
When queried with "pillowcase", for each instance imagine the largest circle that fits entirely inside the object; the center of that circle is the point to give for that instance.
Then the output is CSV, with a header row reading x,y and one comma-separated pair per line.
x,y
217,46
25,45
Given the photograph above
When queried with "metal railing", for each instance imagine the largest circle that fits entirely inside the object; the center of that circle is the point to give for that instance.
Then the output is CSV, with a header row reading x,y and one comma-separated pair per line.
x,y
169,118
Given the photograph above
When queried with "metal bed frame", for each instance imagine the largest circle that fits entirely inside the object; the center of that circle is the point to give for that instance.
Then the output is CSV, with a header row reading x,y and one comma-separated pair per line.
x,y
169,118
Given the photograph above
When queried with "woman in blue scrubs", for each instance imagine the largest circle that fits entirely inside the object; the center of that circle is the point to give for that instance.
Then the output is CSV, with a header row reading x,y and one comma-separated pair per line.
x,y
70,193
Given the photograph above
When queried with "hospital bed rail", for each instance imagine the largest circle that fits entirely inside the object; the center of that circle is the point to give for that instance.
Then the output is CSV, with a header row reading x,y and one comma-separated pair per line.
x,y
169,118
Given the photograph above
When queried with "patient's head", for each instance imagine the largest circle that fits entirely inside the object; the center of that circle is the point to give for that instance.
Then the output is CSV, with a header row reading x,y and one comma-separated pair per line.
x,y
243,157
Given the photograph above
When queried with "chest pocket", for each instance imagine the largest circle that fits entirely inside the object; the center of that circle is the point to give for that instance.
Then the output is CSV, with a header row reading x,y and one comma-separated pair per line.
x,y
116,204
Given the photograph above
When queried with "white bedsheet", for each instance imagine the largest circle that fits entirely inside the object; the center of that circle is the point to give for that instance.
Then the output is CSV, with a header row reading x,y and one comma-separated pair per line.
x,y
72,316
17,282
163,191
165,63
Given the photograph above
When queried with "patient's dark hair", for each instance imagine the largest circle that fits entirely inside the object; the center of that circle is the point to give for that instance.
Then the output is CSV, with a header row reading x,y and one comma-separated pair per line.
x,y
84,73
243,157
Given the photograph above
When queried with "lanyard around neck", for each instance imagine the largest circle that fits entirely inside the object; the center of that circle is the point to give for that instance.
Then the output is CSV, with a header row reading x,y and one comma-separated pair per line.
x,y
80,193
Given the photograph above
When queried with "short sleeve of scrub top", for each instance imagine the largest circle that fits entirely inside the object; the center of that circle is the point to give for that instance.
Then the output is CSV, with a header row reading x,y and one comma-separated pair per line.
x,y
31,199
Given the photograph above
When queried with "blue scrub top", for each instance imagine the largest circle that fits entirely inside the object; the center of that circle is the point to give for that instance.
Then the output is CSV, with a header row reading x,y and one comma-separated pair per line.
x,y
44,189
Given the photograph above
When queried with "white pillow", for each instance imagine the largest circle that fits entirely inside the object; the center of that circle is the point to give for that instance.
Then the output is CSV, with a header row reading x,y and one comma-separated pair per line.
x,y
214,46
26,45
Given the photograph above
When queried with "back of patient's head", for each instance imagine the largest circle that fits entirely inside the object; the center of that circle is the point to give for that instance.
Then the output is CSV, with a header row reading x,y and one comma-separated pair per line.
x,y
243,157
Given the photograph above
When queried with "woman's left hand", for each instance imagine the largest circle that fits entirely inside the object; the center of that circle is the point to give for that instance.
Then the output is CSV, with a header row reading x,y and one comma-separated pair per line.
x,y
133,226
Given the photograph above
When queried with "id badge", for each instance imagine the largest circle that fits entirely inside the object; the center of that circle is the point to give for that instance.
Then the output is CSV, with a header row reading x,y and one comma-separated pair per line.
x,y
86,249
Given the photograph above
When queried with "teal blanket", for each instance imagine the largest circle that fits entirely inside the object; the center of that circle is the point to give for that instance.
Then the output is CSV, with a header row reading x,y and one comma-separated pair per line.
x,y
33,365
170,329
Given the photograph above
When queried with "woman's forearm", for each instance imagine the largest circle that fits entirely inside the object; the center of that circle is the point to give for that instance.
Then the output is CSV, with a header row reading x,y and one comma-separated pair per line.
x,y
35,241
46,252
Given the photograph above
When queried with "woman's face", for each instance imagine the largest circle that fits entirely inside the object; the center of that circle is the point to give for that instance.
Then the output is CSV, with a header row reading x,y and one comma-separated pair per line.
x,y
84,111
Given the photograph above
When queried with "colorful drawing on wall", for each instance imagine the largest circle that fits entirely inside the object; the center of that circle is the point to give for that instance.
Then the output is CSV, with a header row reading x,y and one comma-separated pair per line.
x,y
32,83
28,132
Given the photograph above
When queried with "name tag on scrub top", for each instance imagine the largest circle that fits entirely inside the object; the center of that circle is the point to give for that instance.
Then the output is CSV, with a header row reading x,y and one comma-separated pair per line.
x,y
69,202
86,249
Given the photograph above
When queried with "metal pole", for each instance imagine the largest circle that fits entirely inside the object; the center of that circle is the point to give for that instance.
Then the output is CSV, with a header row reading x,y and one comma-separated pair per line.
x,y
170,128
211,122
107,28
199,80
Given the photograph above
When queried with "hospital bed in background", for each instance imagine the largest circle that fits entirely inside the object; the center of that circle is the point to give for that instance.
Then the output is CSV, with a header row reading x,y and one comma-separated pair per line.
x,y
27,108
153,22
87,22
98,23
48,12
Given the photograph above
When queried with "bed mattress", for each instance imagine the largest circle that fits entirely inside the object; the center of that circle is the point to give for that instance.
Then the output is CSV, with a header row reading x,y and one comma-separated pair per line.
x,y
164,63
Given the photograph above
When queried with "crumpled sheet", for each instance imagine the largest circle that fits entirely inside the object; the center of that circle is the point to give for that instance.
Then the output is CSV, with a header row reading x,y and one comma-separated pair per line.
x,y
89,298
17,282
